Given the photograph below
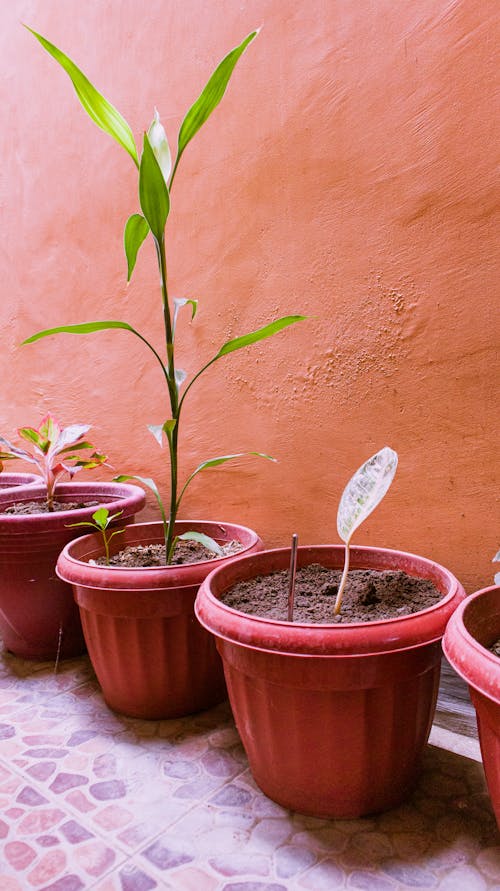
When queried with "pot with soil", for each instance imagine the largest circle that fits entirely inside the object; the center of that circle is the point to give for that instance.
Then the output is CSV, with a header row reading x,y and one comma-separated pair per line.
x,y
472,645
334,707
38,618
152,658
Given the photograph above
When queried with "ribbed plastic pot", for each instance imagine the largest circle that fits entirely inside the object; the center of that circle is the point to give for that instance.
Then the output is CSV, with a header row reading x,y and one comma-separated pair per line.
x,y
17,481
473,628
152,658
38,616
333,718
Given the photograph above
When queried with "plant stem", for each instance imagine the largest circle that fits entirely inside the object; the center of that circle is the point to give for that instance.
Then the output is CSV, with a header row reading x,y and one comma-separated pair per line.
x,y
169,528
343,580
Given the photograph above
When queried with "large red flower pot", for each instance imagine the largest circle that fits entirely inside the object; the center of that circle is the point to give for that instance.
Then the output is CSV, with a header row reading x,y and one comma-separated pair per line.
x,y
471,630
18,481
152,658
333,717
38,616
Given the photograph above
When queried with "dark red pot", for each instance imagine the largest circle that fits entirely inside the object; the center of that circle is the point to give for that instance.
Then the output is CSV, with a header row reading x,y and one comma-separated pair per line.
x,y
152,658
17,481
333,717
472,628
38,616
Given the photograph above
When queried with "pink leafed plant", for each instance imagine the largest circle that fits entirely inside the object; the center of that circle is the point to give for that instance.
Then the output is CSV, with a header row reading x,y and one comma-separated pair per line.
x,y
56,451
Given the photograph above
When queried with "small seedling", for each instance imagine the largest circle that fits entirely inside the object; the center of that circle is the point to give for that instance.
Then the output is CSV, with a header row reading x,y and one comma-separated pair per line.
x,y
496,559
53,452
102,519
363,493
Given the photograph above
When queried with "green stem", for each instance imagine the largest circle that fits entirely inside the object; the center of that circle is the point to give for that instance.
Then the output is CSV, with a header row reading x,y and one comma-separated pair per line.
x,y
168,527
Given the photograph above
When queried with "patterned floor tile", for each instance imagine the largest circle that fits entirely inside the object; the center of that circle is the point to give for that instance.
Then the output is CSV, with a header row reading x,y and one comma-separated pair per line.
x,y
92,800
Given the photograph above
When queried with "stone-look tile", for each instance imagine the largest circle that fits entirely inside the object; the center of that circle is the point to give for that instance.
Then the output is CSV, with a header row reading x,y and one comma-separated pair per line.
x,y
92,800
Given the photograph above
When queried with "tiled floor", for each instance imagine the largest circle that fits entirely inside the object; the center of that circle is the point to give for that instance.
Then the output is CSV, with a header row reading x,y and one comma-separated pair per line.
x,y
90,800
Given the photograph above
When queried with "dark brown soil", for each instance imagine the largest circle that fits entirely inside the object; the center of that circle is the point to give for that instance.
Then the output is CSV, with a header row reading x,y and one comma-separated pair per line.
x,y
495,648
154,555
41,507
369,595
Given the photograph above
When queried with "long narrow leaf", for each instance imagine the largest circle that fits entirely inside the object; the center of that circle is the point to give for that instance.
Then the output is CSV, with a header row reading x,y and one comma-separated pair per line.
x,y
216,462
209,543
105,115
267,331
153,191
136,230
83,328
210,96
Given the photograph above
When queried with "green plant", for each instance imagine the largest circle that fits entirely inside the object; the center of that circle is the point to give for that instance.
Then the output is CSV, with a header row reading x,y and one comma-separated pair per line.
x,y
156,178
102,519
53,452
363,493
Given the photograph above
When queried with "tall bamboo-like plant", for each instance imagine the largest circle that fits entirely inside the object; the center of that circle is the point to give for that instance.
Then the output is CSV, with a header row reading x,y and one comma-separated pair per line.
x,y
156,178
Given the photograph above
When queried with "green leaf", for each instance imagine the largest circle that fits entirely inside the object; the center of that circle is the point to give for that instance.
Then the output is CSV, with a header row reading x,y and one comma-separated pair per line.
x,y
204,540
97,107
153,192
83,328
149,483
101,517
267,331
365,491
169,427
136,230
210,97
216,462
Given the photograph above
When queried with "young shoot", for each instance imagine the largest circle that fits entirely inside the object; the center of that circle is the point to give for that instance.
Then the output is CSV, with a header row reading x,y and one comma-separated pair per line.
x,y
54,452
156,170
102,519
363,493
496,559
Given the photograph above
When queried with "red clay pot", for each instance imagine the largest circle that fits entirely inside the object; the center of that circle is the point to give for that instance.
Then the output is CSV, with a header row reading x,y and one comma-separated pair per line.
x,y
18,480
473,627
151,657
38,616
333,717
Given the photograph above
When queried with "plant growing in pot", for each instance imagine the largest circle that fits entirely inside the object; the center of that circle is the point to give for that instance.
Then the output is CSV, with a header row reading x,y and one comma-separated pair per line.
x,y
472,645
38,616
333,675
148,604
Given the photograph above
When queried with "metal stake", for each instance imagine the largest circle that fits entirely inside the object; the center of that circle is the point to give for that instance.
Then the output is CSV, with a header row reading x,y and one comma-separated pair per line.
x,y
293,570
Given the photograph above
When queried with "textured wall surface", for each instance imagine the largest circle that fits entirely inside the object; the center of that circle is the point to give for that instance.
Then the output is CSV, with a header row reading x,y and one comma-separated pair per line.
x,y
349,174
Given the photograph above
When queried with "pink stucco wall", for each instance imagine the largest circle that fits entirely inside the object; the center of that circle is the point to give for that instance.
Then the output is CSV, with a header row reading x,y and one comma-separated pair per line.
x,y
349,174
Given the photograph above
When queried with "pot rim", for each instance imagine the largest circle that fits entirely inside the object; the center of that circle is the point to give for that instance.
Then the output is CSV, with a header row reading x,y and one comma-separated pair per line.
x,y
471,660
126,496
349,639
79,572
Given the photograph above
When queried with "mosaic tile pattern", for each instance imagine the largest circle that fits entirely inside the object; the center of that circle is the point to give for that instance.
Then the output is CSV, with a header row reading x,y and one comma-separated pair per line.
x,y
92,800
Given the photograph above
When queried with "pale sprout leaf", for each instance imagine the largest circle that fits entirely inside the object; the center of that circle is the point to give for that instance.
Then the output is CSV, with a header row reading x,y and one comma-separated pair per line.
x,y
496,558
497,578
204,540
180,377
179,302
157,431
365,491
159,143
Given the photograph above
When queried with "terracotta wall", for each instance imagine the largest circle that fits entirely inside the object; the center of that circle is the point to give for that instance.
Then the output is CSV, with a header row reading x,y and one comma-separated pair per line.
x,y
349,175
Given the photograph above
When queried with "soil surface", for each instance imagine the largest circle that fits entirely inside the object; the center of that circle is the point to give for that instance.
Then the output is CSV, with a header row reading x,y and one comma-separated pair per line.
x,y
369,595
41,507
154,555
495,648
